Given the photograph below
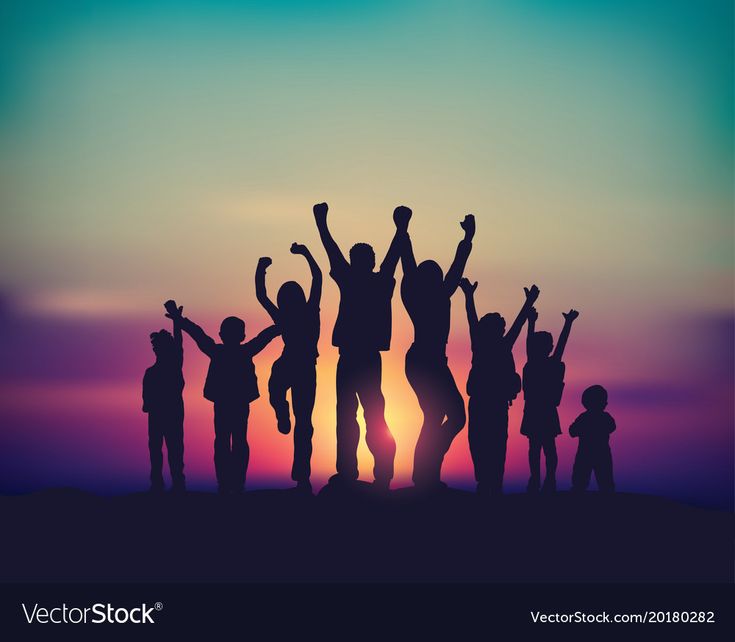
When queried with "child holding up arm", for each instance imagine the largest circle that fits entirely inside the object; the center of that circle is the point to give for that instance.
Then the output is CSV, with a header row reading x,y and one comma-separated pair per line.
x,y
492,385
543,384
231,385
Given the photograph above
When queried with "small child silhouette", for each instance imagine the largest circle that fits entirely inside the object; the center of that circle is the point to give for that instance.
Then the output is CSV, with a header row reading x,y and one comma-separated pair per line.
x,y
163,384
298,318
543,384
231,385
593,427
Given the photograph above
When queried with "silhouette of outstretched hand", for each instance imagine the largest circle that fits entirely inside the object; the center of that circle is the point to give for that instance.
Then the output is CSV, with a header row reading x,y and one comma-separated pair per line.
x,y
468,225
401,217
320,212
533,314
172,311
532,294
570,316
466,286
298,248
264,262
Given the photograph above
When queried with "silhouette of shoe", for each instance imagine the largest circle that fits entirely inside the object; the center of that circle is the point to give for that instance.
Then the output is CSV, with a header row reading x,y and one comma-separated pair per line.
x,y
339,480
156,488
222,491
533,486
178,489
430,487
304,486
381,486
284,424
549,486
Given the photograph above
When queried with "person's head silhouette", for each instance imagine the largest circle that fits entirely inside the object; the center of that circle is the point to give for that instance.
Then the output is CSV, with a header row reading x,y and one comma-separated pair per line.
x,y
232,331
541,345
491,327
362,258
162,343
594,398
291,298
429,275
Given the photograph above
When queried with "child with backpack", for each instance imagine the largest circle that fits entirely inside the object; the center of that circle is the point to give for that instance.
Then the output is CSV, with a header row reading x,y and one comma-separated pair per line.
x,y
543,384
492,386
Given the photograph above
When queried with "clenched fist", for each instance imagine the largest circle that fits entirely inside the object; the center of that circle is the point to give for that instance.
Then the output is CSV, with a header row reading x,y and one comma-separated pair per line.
x,y
401,217
320,212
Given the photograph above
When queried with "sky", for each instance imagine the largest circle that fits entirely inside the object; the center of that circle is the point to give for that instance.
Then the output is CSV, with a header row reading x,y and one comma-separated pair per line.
x,y
154,150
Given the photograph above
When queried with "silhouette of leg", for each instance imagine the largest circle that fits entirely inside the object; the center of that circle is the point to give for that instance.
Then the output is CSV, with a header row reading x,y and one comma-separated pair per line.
x,y
222,448
348,430
534,463
155,449
477,434
497,437
456,417
175,450
377,435
604,470
549,447
303,393
427,457
278,384
581,470
240,447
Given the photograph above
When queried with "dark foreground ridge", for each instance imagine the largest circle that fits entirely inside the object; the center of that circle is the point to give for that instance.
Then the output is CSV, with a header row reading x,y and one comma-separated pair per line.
x,y
275,535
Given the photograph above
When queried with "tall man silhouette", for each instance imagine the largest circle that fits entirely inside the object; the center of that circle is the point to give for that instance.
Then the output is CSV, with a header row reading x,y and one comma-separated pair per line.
x,y
362,331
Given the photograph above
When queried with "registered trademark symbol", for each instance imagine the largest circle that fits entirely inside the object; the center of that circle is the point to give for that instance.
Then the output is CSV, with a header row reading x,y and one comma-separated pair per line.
x,y
158,606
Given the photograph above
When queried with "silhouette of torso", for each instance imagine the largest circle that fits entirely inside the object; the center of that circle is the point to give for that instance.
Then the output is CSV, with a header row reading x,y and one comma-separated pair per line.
x,y
231,376
493,373
593,428
543,382
364,318
430,311
163,384
300,333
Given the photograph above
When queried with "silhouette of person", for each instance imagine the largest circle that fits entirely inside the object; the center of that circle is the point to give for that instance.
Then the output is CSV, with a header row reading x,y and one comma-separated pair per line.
x,y
543,384
426,294
298,319
492,386
231,385
593,427
361,332
163,385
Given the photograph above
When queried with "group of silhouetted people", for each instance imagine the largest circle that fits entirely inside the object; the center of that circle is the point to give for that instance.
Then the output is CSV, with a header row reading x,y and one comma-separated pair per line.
x,y
361,332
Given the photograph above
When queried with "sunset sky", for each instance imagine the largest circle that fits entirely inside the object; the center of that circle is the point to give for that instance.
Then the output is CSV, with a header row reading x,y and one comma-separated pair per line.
x,y
153,150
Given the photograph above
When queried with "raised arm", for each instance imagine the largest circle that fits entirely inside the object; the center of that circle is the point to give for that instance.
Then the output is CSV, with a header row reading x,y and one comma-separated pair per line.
x,y
515,329
469,295
564,336
175,313
408,260
532,316
255,345
401,217
261,293
204,342
315,294
337,261
454,273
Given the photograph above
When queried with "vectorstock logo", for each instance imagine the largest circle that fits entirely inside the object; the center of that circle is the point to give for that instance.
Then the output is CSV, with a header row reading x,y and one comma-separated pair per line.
x,y
96,614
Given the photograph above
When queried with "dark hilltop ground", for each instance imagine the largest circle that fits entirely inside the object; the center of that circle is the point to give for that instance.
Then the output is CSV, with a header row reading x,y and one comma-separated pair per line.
x,y
67,535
